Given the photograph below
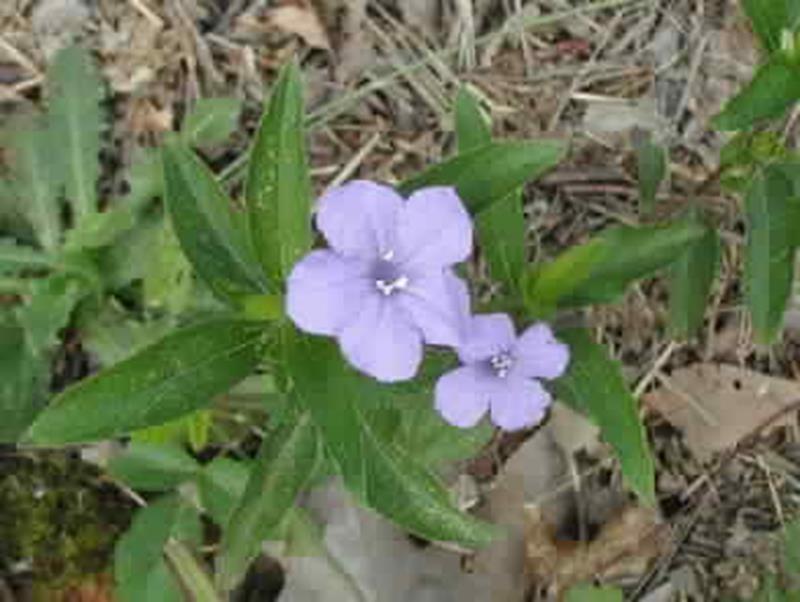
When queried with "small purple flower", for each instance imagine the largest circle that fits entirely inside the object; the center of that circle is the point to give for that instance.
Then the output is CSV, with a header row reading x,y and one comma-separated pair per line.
x,y
385,286
501,374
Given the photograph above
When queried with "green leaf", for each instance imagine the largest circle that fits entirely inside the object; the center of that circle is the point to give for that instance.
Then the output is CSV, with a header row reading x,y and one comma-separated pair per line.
x,y
278,186
140,572
35,181
473,129
600,270
190,573
75,92
178,374
111,334
691,277
501,232
407,417
588,593
129,258
221,484
501,227
14,258
490,173
145,178
378,472
432,441
651,166
23,382
191,429
100,229
594,386
211,121
202,218
770,18
770,591
284,465
152,466
769,250
791,552
167,283
49,309
773,90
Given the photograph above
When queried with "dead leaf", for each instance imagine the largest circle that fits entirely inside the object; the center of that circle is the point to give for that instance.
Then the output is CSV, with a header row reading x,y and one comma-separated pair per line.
x,y
716,405
572,431
625,547
533,473
303,21
612,119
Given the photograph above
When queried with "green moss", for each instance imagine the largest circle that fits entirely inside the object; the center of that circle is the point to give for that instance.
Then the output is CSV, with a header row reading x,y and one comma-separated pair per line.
x,y
58,516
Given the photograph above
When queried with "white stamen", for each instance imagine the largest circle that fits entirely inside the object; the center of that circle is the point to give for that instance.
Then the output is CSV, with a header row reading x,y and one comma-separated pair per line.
x,y
501,364
387,288
388,256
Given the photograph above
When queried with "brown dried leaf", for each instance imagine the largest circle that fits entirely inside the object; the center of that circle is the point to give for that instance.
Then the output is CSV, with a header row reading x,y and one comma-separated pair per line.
x,y
301,20
625,547
571,431
717,405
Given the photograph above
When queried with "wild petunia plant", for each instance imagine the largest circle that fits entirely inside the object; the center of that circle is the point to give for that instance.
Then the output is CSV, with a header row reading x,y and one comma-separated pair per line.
x,y
381,411
107,267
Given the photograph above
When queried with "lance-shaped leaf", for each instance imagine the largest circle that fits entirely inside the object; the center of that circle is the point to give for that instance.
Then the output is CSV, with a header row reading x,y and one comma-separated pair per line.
x,y
211,121
23,382
49,309
175,376
190,572
594,386
140,571
651,167
202,218
278,187
600,270
501,227
153,466
691,277
491,172
14,258
771,213
284,465
379,473
775,88
473,128
770,18
75,93
35,181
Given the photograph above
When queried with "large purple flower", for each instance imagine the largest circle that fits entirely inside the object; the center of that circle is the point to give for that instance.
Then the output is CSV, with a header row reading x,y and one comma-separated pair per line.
x,y
385,286
501,374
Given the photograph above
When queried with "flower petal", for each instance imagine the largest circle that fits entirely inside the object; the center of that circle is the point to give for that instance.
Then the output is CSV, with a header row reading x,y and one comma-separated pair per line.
x,y
359,218
382,341
487,335
462,396
325,291
518,403
539,354
438,304
434,230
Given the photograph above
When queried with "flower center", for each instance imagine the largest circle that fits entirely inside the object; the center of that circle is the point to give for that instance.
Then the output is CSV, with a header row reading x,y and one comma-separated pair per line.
x,y
501,364
387,275
389,287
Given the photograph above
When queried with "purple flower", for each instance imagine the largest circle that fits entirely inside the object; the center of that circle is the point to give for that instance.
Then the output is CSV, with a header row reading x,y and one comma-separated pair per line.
x,y
385,286
501,374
